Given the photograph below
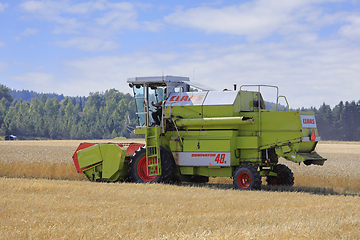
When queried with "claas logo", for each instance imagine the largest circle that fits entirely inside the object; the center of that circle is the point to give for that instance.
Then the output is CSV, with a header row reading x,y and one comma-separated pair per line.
x,y
186,98
308,121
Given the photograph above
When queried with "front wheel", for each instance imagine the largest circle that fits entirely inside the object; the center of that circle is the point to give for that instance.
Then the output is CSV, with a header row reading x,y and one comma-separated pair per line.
x,y
138,168
247,177
284,176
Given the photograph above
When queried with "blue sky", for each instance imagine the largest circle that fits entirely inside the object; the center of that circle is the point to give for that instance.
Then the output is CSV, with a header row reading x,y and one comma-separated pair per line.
x,y
308,48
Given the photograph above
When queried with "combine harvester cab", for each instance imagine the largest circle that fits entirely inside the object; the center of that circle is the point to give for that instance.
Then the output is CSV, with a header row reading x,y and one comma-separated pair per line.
x,y
193,133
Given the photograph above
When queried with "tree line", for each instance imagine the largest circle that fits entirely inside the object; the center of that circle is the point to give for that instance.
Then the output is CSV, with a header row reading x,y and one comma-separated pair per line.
x,y
112,114
99,116
342,123
27,95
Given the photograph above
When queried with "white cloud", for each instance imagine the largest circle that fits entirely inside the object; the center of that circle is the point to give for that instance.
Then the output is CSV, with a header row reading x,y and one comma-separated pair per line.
x,y
84,8
3,6
49,10
152,26
26,65
308,68
29,31
106,72
52,9
251,19
114,16
352,29
254,20
35,80
97,22
308,75
119,18
69,26
89,44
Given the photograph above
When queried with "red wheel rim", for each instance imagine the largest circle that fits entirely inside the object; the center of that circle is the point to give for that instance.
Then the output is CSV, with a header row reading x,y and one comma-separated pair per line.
x,y
244,180
142,170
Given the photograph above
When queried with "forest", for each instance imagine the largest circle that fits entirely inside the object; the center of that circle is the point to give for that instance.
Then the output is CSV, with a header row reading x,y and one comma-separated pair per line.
x,y
99,116
111,114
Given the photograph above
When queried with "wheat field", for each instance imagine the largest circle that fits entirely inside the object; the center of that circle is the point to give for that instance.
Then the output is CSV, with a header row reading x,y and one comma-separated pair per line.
x,y
340,172
42,159
41,200
59,209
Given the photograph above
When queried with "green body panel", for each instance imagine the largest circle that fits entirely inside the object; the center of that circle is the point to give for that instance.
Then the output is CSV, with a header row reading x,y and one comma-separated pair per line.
x,y
207,145
103,162
89,156
250,135
203,141
306,147
140,131
218,111
174,144
113,161
186,111
247,142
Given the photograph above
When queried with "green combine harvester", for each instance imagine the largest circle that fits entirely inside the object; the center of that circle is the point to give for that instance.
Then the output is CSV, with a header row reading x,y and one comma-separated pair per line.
x,y
193,133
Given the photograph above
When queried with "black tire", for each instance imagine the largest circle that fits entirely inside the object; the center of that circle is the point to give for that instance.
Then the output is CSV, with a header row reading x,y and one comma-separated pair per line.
x,y
247,177
138,172
285,176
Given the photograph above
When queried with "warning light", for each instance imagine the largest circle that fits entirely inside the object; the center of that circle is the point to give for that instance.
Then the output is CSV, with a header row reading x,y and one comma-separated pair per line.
x,y
312,138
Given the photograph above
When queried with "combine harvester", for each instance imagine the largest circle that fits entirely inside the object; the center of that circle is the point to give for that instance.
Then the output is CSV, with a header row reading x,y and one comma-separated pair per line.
x,y
204,133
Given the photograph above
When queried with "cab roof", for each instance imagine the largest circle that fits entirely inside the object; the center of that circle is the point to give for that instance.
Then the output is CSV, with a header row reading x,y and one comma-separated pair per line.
x,y
157,79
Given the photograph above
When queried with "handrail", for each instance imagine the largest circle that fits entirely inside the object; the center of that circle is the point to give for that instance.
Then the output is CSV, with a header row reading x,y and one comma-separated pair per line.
x,y
264,85
277,102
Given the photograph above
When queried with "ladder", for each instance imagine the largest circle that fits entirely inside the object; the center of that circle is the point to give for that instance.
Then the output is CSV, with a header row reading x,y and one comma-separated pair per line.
x,y
153,161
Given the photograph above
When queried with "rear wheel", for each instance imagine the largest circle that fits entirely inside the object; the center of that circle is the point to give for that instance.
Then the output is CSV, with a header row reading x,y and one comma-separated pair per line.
x,y
138,168
247,177
285,176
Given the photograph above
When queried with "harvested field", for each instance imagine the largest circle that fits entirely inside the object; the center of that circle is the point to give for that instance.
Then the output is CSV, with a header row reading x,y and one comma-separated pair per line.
x,y
58,209
38,208
340,172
